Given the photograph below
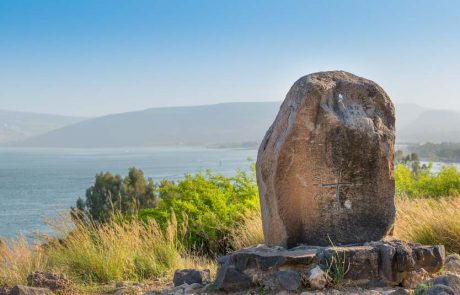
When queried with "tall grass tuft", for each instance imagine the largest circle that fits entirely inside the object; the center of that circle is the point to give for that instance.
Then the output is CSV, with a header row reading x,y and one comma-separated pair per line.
x,y
248,233
115,251
18,259
429,221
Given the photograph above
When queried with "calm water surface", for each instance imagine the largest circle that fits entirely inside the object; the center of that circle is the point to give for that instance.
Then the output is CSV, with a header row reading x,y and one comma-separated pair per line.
x,y
34,183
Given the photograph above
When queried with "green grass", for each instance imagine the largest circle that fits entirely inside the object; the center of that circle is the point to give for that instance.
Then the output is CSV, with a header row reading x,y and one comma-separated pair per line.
x,y
337,265
423,288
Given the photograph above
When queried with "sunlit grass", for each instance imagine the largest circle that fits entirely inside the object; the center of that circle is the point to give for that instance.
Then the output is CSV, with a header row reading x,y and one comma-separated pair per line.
x,y
429,221
91,254
18,259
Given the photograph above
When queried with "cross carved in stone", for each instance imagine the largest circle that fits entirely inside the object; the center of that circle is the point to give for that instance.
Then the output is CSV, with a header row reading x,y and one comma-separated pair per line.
x,y
337,185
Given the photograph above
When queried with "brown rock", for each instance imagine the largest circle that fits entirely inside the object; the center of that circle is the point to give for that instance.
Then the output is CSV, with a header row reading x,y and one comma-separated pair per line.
x,y
325,166
452,264
367,265
191,276
24,290
55,282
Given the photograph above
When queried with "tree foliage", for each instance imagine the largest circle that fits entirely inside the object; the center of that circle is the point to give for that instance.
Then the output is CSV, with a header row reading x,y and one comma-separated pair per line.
x,y
446,151
112,194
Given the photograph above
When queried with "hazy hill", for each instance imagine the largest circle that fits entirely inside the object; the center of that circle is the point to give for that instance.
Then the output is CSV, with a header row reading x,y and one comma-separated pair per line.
x,y
227,124
20,125
198,125
406,113
432,126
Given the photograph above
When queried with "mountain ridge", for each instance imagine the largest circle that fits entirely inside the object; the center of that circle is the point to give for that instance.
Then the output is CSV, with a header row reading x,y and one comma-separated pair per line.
x,y
17,126
222,124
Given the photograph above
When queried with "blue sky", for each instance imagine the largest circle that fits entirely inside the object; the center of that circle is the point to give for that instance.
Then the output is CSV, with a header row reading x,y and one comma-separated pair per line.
x,y
97,57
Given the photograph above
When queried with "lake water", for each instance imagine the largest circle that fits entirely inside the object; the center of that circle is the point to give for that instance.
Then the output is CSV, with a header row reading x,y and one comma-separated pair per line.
x,y
34,183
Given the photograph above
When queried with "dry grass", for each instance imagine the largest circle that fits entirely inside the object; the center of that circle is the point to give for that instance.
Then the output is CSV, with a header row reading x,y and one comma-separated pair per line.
x,y
91,254
422,220
18,259
429,221
249,233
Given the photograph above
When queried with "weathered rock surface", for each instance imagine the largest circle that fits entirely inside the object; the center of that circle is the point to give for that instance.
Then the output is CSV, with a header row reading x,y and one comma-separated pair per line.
x,y
24,290
317,278
191,276
450,281
325,166
53,281
441,285
289,280
440,290
452,264
384,263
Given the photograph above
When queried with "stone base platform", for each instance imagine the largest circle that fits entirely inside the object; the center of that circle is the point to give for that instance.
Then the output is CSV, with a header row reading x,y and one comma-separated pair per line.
x,y
374,264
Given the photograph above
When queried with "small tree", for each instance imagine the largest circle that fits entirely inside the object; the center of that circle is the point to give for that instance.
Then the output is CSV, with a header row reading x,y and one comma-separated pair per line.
x,y
111,194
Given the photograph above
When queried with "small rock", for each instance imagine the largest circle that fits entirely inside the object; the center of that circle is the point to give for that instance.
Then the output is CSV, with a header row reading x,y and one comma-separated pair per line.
x,y
191,276
24,290
208,288
440,290
192,289
317,278
289,279
449,280
121,284
127,291
230,279
180,287
399,291
452,264
414,277
53,281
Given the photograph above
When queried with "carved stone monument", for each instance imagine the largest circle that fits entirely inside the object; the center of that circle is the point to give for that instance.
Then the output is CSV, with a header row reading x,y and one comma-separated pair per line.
x,y
325,175
325,166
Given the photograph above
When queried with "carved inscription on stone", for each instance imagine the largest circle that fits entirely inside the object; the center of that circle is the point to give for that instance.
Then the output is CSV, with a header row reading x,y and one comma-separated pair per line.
x,y
325,167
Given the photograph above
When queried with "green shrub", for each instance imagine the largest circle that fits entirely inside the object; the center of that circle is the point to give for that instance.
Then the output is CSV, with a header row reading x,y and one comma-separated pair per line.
x,y
210,205
425,183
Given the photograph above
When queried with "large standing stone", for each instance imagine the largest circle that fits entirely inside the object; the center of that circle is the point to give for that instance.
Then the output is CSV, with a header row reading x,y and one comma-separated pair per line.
x,y
325,166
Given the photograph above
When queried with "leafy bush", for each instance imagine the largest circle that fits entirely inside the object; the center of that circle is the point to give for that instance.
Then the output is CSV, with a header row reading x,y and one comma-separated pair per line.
x,y
446,151
113,194
209,204
425,183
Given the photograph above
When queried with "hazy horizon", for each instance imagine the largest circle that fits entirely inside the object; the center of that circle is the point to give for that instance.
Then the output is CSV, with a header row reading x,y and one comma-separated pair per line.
x,y
198,105
91,58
